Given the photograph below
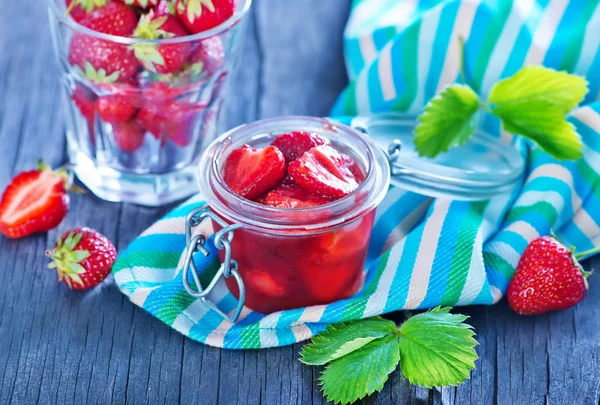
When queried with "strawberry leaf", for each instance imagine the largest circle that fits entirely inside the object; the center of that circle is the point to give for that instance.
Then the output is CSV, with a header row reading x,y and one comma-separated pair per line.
x,y
538,84
341,339
437,348
361,372
533,103
449,120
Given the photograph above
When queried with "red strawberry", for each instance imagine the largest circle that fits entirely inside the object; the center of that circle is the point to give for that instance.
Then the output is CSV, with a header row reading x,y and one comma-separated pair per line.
x,y
80,9
114,18
161,59
83,258
294,144
323,170
179,126
121,105
202,15
548,278
129,136
157,99
34,201
251,172
293,196
140,3
207,56
116,60
84,103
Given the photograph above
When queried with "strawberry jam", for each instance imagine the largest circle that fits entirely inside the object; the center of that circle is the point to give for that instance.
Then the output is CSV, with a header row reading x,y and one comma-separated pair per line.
x,y
305,192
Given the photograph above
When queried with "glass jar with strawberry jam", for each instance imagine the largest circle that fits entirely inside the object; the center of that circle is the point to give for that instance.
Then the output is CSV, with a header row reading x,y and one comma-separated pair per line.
x,y
302,193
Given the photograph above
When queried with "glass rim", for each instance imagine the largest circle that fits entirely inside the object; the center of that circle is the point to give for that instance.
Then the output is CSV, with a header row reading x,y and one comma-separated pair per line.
x,y
226,25
366,197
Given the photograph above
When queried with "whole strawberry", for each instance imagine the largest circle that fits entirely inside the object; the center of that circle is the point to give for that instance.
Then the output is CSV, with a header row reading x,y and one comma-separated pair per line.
x,y
140,3
548,278
80,9
82,257
111,57
202,15
35,201
166,58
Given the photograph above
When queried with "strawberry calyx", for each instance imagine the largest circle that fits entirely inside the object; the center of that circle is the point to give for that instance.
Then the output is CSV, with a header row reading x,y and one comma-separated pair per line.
x,y
193,8
149,28
98,76
66,260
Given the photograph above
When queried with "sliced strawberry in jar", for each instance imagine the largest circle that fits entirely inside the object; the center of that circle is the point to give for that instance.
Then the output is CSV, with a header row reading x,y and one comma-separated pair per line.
x,y
294,144
294,196
251,172
322,170
262,282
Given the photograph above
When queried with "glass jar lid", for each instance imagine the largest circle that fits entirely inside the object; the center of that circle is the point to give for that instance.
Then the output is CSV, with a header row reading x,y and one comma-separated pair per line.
x,y
478,170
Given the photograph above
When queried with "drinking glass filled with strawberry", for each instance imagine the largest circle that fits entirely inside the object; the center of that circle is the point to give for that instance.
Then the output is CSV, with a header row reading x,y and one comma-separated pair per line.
x,y
144,82
302,193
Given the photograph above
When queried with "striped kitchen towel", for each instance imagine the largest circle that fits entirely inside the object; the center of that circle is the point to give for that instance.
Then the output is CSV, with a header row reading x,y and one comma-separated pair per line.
x,y
424,252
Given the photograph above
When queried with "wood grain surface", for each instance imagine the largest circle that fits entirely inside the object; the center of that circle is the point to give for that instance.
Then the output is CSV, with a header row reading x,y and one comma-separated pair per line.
x,y
61,347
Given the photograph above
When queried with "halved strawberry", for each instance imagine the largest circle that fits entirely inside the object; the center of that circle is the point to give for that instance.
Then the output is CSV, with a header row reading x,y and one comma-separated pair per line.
x,y
251,172
202,15
129,136
34,201
294,196
294,144
323,170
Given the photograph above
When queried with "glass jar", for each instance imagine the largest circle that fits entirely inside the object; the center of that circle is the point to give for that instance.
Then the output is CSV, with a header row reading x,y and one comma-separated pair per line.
x,y
275,259
291,258
134,131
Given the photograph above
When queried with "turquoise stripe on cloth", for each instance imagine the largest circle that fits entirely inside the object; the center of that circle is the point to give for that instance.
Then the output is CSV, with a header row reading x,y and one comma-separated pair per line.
x,y
424,252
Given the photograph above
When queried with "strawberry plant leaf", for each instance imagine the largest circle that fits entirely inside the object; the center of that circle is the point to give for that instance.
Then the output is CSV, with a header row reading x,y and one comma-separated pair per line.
x,y
437,348
449,120
361,372
341,339
537,84
544,124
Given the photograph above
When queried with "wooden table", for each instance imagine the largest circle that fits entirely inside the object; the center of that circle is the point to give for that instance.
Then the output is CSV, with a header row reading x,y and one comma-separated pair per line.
x,y
63,347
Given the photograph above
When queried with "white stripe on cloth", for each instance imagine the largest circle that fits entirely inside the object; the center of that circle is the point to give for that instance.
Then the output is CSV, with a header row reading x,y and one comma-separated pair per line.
x,y
505,251
267,333
367,49
362,92
461,29
590,45
545,33
406,225
427,249
197,309
138,297
386,78
517,18
525,229
399,15
140,273
377,301
424,54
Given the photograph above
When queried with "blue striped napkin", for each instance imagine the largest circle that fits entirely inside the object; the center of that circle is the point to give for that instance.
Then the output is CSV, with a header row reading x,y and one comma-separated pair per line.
x,y
424,252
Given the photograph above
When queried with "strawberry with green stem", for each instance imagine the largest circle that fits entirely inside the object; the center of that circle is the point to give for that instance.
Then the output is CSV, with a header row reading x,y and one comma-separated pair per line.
x,y
100,54
202,15
548,278
140,3
161,58
82,258
80,9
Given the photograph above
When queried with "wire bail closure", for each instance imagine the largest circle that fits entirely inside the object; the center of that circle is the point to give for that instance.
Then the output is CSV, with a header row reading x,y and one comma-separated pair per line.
x,y
228,268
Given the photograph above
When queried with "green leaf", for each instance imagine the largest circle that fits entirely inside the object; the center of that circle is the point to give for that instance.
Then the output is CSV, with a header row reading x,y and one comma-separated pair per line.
x,y
544,124
340,339
361,372
437,348
449,120
79,255
537,84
